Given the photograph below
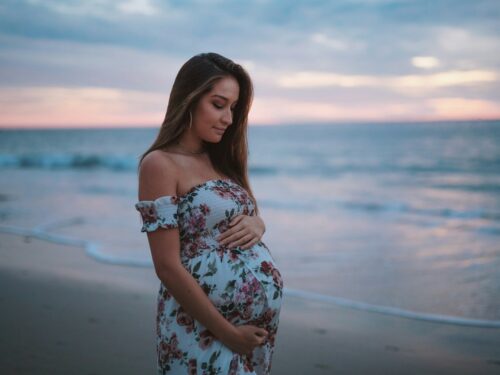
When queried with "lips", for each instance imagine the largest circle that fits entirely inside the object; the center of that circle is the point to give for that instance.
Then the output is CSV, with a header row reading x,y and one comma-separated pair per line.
x,y
220,130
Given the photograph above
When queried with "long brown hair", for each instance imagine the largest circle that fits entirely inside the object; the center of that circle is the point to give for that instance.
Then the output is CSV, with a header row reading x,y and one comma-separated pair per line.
x,y
195,78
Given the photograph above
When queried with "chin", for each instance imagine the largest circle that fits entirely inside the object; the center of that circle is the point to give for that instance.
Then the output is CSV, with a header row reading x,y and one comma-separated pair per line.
x,y
213,139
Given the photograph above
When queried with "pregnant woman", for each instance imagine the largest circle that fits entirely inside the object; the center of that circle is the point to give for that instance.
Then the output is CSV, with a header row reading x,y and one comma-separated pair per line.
x,y
220,293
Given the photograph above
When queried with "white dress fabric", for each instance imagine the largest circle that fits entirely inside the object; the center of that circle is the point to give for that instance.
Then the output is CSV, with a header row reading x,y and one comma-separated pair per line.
x,y
244,285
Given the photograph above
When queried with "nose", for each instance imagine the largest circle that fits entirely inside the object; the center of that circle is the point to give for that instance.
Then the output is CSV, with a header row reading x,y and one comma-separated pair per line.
x,y
227,117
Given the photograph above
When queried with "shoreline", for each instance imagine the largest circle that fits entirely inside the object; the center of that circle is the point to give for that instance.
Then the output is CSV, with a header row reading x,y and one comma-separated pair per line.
x,y
65,313
92,250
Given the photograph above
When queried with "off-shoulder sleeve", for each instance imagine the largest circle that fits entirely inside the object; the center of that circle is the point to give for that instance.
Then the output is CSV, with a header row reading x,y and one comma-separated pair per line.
x,y
161,212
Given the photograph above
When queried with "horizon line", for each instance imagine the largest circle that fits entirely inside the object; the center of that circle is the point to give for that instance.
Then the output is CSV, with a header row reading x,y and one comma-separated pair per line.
x,y
312,123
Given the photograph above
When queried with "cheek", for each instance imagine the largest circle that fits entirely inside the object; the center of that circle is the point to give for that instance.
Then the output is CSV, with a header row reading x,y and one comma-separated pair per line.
x,y
207,114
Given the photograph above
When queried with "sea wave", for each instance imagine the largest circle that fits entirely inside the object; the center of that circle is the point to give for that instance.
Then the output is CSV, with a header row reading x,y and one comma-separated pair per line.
x,y
373,207
94,251
56,161
321,167
68,161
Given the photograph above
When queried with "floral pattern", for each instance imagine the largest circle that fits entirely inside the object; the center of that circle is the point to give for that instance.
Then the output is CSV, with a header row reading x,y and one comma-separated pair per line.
x,y
244,285
158,213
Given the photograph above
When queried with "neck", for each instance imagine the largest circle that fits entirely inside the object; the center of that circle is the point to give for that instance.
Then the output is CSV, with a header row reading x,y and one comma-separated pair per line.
x,y
191,144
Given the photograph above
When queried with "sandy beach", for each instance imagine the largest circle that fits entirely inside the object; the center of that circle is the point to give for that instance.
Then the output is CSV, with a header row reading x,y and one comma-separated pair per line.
x,y
63,313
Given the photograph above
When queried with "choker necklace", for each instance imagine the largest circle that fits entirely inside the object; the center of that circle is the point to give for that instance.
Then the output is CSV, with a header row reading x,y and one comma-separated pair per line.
x,y
190,152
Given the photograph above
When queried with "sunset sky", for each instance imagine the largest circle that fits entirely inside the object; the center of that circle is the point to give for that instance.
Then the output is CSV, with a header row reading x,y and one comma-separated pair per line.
x,y
112,63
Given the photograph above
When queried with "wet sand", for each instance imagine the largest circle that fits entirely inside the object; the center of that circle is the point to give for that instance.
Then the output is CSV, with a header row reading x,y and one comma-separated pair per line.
x,y
63,313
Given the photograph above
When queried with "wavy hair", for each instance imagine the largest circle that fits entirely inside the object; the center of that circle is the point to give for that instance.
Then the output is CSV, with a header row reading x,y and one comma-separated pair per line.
x,y
196,78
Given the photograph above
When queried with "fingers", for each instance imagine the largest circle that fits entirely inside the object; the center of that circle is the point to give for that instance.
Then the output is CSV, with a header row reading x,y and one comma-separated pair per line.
x,y
255,336
250,243
245,237
261,335
263,332
225,236
241,241
233,237
236,220
244,232
236,225
247,241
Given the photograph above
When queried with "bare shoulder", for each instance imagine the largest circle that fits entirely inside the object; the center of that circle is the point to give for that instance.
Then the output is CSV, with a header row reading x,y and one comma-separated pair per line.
x,y
158,175
158,162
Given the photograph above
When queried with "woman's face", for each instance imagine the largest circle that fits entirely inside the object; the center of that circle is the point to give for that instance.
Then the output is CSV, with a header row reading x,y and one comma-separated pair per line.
x,y
214,112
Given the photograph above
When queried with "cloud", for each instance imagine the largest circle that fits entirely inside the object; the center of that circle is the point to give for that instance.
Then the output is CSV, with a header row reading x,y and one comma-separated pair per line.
x,y
443,79
44,62
336,44
463,41
98,8
277,110
392,56
457,108
142,7
424,62
324,79
413,83
91,106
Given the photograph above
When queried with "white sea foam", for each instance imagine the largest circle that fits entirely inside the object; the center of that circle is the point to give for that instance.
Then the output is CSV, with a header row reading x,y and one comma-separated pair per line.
x,y
92,249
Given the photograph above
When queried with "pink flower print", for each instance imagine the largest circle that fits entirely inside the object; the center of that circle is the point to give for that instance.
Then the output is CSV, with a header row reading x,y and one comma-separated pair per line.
x,y
206,339
148,212
266,267
190,250
233,255
247,362
158,323
184,319
244,292
277,278
192,367
245,288
161,307
233,366
224,192
205,210
169,350
176,353
268,316
247,312
166,295
196,222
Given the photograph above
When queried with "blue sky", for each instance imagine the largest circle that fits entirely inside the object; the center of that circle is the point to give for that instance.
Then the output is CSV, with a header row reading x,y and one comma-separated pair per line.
x,y
99,62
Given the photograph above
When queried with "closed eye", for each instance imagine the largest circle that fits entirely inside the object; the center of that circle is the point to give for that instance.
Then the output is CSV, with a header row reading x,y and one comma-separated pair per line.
x,y
220,107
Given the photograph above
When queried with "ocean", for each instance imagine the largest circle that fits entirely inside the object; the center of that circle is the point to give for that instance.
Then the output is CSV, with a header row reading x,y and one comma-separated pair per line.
x,y
403,218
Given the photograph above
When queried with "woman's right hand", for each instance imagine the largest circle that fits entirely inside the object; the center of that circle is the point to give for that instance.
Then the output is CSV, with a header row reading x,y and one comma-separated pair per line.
x,y
245,338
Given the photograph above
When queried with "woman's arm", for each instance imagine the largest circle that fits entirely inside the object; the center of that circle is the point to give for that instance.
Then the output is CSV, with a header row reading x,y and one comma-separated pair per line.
x,y
155,180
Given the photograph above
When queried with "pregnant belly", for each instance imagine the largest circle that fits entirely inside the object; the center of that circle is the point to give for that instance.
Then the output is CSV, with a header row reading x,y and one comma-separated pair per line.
x,y
244,285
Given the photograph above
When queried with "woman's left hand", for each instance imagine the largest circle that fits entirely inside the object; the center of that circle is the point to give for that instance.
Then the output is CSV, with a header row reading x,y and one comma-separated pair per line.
x,y
245,231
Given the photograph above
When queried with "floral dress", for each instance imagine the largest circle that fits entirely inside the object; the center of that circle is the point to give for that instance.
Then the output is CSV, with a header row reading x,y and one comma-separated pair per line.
x,y
244,285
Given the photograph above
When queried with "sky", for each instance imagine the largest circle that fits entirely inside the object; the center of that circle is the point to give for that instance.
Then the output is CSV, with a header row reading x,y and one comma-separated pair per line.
x,y
103,63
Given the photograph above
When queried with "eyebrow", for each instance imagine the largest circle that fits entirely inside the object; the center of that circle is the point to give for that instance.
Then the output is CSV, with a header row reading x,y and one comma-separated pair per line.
x,y
223,97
